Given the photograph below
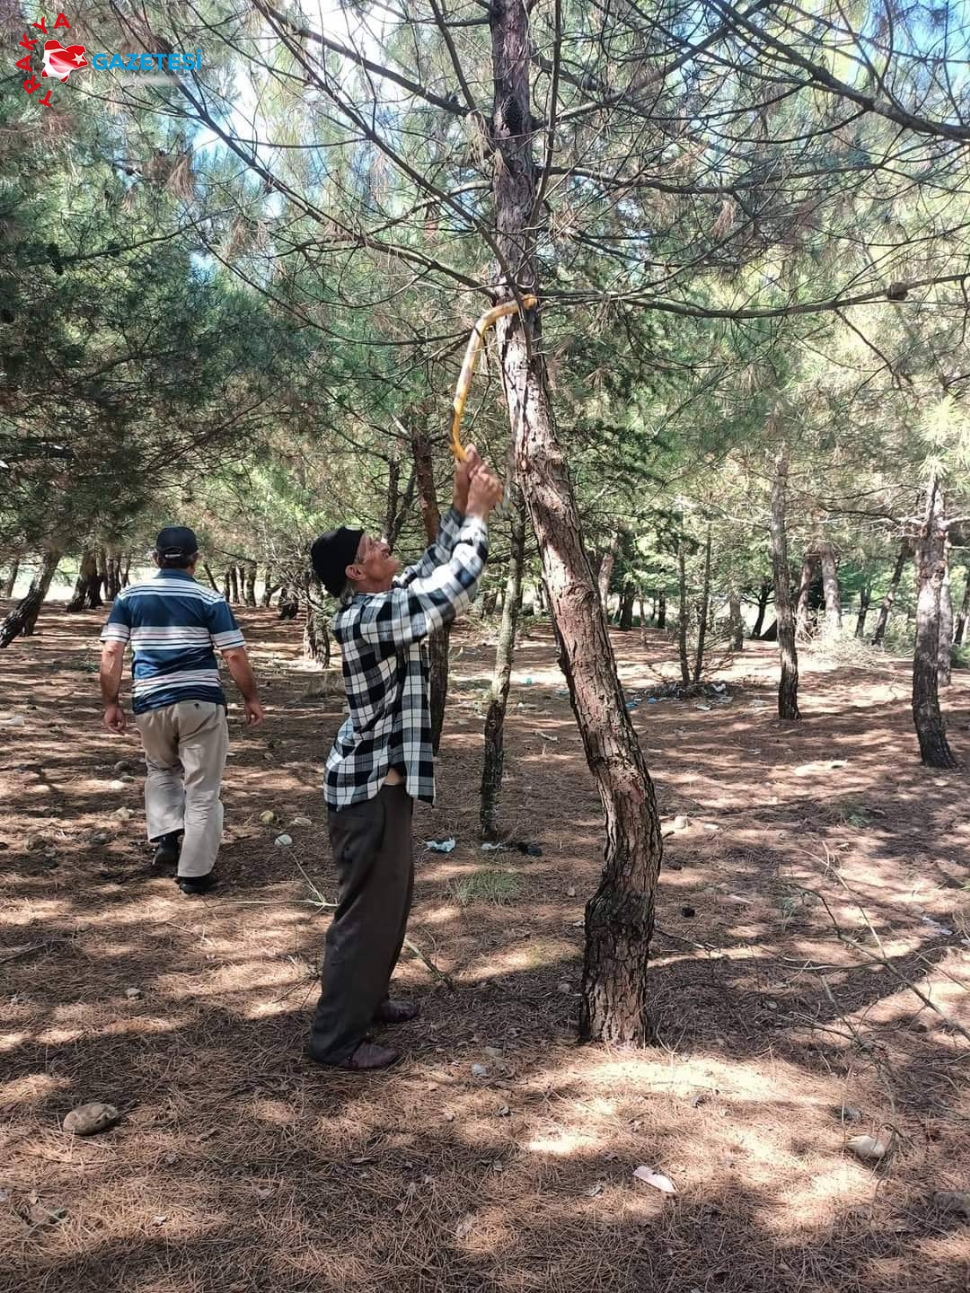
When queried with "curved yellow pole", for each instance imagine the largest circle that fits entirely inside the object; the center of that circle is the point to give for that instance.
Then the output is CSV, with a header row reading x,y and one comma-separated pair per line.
x,y
472,353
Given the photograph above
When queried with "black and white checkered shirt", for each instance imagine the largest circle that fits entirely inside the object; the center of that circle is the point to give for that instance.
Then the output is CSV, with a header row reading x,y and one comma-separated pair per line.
x,y
386,670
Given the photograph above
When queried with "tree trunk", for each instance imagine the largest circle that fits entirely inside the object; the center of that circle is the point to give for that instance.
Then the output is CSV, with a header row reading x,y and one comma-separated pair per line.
x,y
234,583
86,588
619,917
788,684
627,605
226,586
890,597
662,611
11,580
431,516
23,617
930,573
209,576
763,594
126,572
489,601
607,563
682,616
103,572
494,759
830,585
946,623
805,584
865,601
735,621
316,634
249,586
704,610
964,609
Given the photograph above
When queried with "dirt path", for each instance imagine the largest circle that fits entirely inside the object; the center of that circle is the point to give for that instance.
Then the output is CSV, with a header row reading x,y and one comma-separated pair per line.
x,y
238,1168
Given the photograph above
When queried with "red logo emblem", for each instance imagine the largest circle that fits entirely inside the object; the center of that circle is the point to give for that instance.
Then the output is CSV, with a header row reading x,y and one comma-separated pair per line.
x,y
60,62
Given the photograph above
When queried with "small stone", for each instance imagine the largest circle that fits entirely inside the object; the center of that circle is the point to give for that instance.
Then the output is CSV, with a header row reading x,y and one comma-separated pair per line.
x,y
494,1052
268,817
159,1221
565,987
681,823
849,1113
117,785
133,994
12,720
571,891
282,841
868,1148
448,1115
302,821
504,1111
89,1119
121,766
479,1071
954,1201
100,837
123,814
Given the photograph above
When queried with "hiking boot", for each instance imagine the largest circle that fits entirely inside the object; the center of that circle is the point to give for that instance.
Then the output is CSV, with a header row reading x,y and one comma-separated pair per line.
x,y
196,884
367,1058
396,1012
167,850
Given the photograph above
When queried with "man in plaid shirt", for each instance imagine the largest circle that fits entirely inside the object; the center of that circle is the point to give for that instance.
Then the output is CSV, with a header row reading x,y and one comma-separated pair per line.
x,y
381,759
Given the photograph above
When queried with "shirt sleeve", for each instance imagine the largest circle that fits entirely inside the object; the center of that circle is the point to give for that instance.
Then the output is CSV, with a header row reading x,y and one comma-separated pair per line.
x,y
438,553
401,616
223,629
117,627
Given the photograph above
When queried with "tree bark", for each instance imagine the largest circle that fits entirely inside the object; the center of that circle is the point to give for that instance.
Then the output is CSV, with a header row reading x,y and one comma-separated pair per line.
x,y
249,587
946,623
607,562
209,576
830,585
11,580
705,607
865,601
763,594
619,917
494,759
788,684
226,585
316,634
735,620
431,516
126,572
930,572
805,583
964,609
23,617
627,606
682,615
905,550
87,592
234,583
662,611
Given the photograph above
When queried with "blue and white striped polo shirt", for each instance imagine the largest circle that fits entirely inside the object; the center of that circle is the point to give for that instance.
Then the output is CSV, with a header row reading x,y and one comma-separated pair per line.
x,y
175,626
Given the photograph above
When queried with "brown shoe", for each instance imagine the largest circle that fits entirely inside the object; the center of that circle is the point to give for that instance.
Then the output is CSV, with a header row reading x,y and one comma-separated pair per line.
x,y
396,1012
367,1058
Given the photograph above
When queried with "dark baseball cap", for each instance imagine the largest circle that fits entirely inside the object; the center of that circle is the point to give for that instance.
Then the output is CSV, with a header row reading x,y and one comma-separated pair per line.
x,y
331,554
176,541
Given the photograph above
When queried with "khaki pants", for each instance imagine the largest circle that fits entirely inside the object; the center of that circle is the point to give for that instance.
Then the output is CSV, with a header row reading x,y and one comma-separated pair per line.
x,y
185,750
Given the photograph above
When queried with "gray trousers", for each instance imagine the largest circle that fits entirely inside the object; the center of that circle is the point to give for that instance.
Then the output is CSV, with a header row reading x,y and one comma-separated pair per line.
x,y
185,753
373,854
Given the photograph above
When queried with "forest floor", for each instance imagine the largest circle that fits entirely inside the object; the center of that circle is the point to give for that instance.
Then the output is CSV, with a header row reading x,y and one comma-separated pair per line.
x,y
237,1167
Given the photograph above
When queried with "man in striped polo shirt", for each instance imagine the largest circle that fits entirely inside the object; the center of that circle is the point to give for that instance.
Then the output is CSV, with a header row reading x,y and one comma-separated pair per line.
x,y
175,626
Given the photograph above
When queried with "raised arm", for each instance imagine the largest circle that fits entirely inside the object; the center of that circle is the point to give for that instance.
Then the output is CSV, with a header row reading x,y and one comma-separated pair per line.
x,y
440,551
406,614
